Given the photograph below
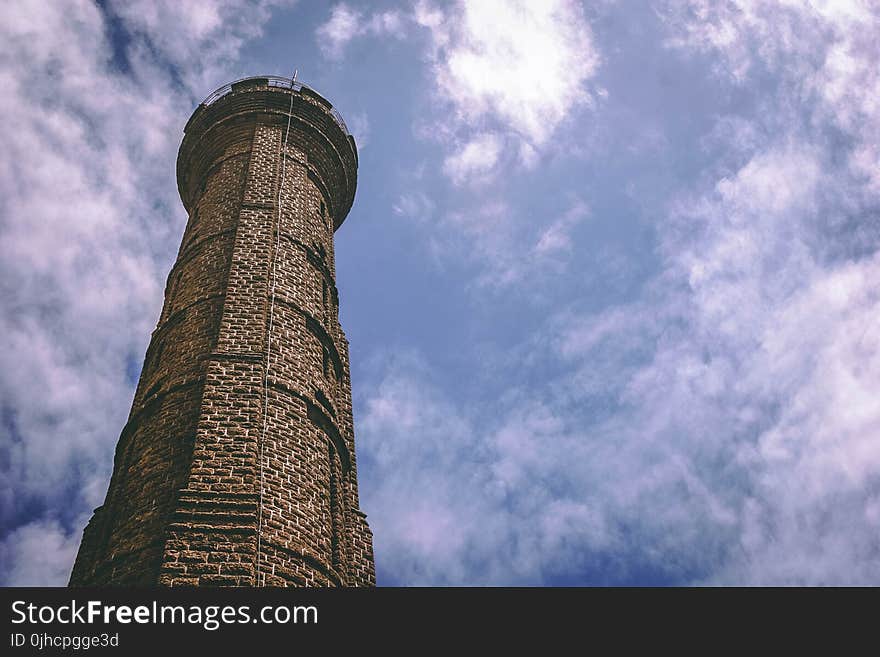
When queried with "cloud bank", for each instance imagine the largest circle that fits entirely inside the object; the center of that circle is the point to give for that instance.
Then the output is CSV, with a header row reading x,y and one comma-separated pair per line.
x,y
721,428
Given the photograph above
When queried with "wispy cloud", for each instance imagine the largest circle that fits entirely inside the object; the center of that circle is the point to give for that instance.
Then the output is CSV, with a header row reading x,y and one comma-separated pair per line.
x,y
462,505
346,23
511,255
476,159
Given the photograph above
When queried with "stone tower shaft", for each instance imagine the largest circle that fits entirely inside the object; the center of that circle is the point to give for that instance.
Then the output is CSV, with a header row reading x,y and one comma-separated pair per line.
x,y
237,465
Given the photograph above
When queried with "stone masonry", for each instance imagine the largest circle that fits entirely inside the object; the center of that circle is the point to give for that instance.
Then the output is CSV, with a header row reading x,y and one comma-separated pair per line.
x,y
207,489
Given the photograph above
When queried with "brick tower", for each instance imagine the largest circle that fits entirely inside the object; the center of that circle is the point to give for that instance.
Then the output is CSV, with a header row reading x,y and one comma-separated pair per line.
x,y
237,464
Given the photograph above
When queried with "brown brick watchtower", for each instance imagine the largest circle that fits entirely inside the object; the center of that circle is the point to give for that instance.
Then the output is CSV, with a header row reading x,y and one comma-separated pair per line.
x,y
237,464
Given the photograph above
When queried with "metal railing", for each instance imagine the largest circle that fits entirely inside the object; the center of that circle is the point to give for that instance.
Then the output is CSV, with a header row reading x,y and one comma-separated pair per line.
x,y
275,81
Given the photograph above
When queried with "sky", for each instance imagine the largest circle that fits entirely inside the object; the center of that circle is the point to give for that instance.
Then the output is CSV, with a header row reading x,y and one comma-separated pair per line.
x,y
611,279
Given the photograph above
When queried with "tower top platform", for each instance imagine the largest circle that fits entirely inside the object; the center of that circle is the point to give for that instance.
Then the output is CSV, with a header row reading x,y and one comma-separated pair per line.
x,y
332,148
278,83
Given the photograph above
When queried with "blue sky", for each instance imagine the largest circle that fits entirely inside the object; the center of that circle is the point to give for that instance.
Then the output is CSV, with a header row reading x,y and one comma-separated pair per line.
x,y
610,279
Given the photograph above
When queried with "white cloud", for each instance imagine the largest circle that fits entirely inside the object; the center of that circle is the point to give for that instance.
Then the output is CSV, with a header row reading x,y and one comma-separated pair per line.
x,y
359,126
201,40
504,67
751,365
526,63
514,67
721,434
504,77
475,160
343,25
769,354
414,205
346,24
453,509
38,554
556,239
826,48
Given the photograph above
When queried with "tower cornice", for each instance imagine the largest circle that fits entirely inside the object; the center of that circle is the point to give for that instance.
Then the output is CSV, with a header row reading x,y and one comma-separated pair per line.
x,y
211,134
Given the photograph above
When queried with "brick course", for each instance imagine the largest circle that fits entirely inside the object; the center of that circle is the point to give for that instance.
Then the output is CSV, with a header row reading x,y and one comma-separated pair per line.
x,y
190,491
